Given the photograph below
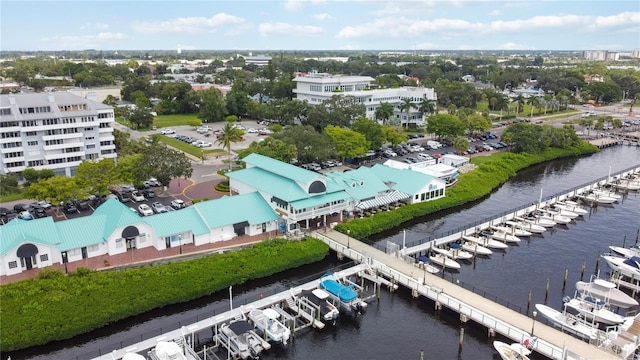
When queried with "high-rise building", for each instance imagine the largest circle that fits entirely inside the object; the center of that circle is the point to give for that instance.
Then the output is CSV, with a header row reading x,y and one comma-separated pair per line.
x,y
55,130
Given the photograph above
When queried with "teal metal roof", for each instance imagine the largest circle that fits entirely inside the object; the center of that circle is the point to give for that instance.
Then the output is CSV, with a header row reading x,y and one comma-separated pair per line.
x,y
321,200
271,183
81,232
278,167
17,232
229,210
404,180
360,184
176,222
116,214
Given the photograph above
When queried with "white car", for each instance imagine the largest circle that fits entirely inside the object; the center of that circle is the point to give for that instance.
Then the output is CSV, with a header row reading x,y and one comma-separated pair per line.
x,y
137,197
252,131
158,207
177,204
145,210
203,144
167,131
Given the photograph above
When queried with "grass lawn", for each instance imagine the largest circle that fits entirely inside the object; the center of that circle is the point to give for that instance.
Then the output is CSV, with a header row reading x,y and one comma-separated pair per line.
x,y
174,120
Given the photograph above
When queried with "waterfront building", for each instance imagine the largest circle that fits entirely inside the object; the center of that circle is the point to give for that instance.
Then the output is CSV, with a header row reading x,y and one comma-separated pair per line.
x,y
54,131
317,87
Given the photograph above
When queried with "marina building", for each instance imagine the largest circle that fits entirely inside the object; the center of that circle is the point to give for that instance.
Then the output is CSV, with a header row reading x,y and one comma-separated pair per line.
x,y
54,131
318,87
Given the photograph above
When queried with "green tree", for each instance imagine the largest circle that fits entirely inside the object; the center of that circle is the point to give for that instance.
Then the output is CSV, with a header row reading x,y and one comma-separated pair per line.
x,y
237,98
348,143
56,190
141,118
445,126
384,112
162,163
371,130
406,106
394,135
273,148
9,184
211,105
96,176
461,144
477,124
526,137
337,110
427,106
311,145
228,136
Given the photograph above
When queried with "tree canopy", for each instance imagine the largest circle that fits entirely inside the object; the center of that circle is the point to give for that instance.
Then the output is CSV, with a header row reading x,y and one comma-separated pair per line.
x,y
445,126
371,130
348,143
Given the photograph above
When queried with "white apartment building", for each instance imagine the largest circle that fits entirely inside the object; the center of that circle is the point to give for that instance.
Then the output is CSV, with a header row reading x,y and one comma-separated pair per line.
x,y
317,87
54,131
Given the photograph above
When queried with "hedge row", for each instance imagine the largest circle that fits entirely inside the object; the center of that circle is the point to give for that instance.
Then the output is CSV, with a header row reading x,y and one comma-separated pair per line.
x,y
56,307
493,171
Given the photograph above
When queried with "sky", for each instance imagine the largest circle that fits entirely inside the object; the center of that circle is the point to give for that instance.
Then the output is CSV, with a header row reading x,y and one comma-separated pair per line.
x,y
320,25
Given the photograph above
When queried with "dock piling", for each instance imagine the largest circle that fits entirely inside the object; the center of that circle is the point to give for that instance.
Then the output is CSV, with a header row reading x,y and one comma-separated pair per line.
x,y
584,265
598,261
546,292
529,302
566,275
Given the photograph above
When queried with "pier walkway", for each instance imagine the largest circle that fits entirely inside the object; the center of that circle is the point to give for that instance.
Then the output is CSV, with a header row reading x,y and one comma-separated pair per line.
x,y
496,318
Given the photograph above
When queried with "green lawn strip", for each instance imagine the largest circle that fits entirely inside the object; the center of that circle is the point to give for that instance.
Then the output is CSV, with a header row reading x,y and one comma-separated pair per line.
x,y
175,120
11,197
493,171
188,148
56,307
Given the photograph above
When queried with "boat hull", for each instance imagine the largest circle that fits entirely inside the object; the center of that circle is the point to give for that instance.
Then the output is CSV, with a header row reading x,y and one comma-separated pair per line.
x,y
568,323
614,296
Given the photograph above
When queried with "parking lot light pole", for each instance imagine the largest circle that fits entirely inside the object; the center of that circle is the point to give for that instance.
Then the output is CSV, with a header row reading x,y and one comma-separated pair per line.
x,y
348,236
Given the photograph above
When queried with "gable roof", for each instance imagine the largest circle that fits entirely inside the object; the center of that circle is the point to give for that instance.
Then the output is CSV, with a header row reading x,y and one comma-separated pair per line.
x,y
176,222
404,180
271,183
116,214
279,167
16,232
91,227
361,183
230,210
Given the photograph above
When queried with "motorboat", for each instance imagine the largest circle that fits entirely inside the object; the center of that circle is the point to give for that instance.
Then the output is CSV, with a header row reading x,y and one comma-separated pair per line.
x,y
592,309
626,252
133,356
168,350
444,261
603,289
486,242
555,210
266,321
521,224
238,336
569,323
501,236
454,252
475,248
553,216
608,193
515,351
423,263
341,294
629,267
600,199
511,229
328,311
546,223
627,184
571,206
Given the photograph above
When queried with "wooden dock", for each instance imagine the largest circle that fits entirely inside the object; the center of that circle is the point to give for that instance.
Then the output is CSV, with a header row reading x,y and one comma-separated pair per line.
x,y
497,318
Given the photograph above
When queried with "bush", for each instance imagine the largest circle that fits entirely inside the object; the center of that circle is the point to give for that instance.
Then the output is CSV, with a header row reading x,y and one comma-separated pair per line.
x,y
57,307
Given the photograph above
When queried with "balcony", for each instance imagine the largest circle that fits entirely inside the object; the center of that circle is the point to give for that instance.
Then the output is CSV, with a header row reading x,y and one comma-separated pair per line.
x,y
77,135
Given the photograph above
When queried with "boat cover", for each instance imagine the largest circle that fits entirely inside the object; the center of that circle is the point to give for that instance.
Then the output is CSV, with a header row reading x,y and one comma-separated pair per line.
x,y
634,261
345,293
455,246
240,327
424,259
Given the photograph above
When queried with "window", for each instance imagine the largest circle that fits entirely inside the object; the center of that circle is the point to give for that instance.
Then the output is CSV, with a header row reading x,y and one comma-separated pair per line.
x,y
13,264
93,248
12,134
32,143
44,257
29,123
31,133
91,146
5,111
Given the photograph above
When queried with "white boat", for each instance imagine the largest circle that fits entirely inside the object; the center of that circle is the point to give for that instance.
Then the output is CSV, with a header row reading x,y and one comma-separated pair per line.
x,y
515,351
454,252
549,215
607,291
511,229
486,242
322,300
168,350
444,261
475,248
133,356
600,199
546,223
238,336
423,263
266,321
607,193
569,323
626,252
521,224
627,184
571,206
629,267
593,310
502,236
555,210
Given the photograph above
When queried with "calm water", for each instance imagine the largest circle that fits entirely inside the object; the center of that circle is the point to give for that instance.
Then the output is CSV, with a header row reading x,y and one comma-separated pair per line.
x,y
399,327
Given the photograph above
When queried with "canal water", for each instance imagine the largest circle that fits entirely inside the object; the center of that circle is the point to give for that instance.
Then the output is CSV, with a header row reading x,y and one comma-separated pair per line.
x,y
399,327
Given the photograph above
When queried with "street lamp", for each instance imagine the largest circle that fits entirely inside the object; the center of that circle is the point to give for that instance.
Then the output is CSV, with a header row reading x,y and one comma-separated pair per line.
x,y
424,272
348,236
535,313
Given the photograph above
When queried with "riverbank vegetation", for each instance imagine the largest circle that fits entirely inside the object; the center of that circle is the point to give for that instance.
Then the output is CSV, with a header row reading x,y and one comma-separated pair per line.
x,y
492,171
56,307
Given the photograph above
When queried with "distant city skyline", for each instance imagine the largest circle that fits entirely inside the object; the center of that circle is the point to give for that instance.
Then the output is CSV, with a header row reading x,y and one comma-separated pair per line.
x,y
319,25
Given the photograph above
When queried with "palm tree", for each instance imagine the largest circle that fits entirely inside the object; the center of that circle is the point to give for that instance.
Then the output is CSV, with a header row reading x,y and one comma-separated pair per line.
x,y
230,134
427,106
533,101
406,105
519,103
384,112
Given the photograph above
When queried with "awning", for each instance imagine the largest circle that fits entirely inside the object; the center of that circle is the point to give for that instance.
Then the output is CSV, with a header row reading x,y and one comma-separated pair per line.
x,y
454,175
27,250
383,200
240,225
130,232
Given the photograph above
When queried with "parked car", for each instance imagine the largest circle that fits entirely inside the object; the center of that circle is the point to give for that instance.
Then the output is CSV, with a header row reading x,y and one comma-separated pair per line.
x,y
82,204
167,131
25,215
149,194
70,207
43,204
39,212
153,182
20,208
145,210
137,196
178,204
158,207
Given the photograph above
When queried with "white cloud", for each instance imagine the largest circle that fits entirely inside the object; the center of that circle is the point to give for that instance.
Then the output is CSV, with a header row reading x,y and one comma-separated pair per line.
x,y
624,18
495,12
94,26
188,25
293,5
323,16
72,42
280,28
